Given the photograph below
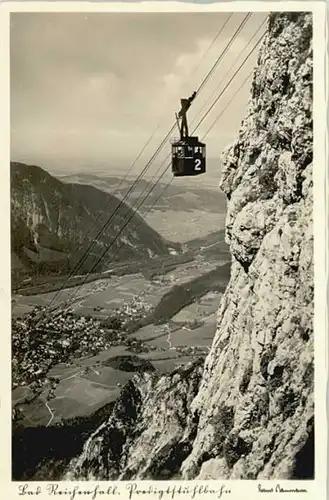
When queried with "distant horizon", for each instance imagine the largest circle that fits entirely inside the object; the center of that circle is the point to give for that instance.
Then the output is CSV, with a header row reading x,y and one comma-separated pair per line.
x,y
93,90
205,181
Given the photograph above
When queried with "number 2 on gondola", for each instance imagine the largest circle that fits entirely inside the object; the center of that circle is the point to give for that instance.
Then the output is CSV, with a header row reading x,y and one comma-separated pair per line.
x,y
197,164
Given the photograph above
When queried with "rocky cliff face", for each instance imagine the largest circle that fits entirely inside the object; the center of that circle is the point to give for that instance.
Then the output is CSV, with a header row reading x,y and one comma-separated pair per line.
x,y
149,432
248,413
53,223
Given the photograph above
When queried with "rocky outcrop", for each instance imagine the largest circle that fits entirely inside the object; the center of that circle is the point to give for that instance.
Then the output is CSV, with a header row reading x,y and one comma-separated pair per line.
x,y
250,415
145,436
260,369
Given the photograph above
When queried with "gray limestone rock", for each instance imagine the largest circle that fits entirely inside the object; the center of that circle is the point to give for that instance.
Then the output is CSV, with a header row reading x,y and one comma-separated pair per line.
x,y
249,413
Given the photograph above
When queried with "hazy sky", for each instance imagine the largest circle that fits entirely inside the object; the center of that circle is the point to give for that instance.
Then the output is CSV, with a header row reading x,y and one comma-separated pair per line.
x,y
87,90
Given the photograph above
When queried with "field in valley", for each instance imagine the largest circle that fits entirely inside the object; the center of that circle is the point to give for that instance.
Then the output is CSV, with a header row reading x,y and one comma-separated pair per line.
x,y
180,295
55,428
86,384
180,324
183,226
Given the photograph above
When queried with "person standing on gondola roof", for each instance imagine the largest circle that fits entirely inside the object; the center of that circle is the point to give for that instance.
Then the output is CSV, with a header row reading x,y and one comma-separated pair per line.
x,y
185,106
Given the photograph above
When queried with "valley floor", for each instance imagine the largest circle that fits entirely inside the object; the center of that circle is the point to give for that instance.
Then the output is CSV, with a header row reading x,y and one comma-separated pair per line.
x,y
85,384
182,226
80,385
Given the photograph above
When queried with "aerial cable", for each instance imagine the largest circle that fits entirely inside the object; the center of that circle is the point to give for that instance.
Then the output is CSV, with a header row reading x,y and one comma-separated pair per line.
x,y
85,255
121,183
171,130
137,225
228,103
114,213
224,51
218,60
106,250
231,67
217,99
165,170
108,203
213,42
144,170
204,136
213,67
230,81
200,121
83,258
135,209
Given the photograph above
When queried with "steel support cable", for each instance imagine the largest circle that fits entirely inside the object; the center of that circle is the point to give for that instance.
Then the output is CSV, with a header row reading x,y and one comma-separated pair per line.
x,y
214,40
134,212
230,81
114,213
216,100
211,72
153,134
145,168
133,215
224,51
227,105
203,137
166,169
199,89
138,224
108,203
231,67
85,255
169,133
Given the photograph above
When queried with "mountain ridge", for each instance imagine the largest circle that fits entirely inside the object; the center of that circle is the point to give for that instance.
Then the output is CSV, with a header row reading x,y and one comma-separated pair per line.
x,y
53,223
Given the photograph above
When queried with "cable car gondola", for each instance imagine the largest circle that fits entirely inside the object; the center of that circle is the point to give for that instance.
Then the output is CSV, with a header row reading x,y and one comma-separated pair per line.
x,y
188,154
